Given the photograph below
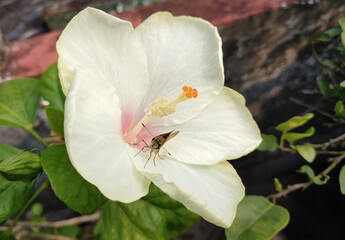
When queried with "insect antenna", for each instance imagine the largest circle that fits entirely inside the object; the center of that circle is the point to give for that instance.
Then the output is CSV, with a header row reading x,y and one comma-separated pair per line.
x,y
147,129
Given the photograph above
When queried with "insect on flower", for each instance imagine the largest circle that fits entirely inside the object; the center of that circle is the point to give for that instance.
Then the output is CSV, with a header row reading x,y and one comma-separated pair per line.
x,y
156,144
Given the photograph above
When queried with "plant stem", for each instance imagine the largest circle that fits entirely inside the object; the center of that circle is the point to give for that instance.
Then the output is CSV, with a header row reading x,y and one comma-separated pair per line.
x,y
37,137
304,185
43,186
68,222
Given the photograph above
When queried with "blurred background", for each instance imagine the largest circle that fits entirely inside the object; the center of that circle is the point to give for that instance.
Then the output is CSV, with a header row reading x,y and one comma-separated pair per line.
x,y
268,58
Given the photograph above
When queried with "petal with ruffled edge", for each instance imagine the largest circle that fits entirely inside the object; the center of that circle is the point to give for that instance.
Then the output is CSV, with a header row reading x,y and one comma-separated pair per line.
x,y
108,47
224,130
181,51
213,191
94,141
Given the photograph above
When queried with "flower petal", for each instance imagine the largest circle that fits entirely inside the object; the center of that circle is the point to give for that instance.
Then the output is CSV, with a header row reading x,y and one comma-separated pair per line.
x,y
108,47
213,191
181,51
94,141
225,129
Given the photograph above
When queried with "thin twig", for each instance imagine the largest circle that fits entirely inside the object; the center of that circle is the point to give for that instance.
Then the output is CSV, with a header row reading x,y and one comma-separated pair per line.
x,y
313,108
304,185
32,235
330,152
68,222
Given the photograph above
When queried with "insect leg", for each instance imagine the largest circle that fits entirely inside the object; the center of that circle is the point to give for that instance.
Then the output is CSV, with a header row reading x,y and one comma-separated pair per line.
x,y
140,150
148,158
160,155
154,159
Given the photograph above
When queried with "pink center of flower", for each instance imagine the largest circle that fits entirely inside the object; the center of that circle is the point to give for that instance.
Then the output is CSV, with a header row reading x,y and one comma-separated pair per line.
x,y
161,107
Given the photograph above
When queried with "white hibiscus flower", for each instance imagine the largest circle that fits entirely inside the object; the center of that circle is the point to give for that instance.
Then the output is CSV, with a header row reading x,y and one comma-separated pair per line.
x,y
117,78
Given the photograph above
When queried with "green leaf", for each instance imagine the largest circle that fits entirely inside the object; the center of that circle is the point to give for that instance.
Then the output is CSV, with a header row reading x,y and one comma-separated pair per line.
x,y
323,85
339,109
56,120
257,219
291,137
330,91
307,152
294,122
328,35
342,84
13,194
269,143
311,175
19,100
342,180
51,88
37,209
155,216
277,185
67,183
342,25
23,165
329,63
6,236
338,92
69,231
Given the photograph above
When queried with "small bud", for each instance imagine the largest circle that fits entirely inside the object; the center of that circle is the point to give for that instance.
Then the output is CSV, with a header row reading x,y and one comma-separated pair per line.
x,y
21,166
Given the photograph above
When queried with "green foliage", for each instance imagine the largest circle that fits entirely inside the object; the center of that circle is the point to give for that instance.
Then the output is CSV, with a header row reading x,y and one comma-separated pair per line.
x,y
323,85
294,122
67,183
328,35
257,219
330,91
291,137
339,109
13,194
269,143
155,216
329,63
277,185
51,88
23,165
37,209
311,175
19,100
6,236
342,84
342,25
342,180
56,120
307,152
69,231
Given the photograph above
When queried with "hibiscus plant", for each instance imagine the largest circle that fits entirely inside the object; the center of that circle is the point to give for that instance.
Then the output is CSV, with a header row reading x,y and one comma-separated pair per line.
x,y
142,128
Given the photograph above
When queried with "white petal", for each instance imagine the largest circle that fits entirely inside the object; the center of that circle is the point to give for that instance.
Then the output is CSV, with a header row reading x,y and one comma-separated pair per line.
x,y
213,191
181,51
225,129
108,47
94,142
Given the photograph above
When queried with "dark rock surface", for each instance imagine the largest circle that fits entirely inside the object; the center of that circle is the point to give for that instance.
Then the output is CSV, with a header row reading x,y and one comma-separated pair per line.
x,y
268,58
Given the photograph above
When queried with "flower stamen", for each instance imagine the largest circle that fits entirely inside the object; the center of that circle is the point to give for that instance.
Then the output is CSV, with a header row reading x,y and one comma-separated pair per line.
x,y
161,107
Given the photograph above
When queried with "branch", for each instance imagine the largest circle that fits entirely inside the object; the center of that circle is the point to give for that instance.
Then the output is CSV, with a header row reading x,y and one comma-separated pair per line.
x,y
304,185
68,222
32,235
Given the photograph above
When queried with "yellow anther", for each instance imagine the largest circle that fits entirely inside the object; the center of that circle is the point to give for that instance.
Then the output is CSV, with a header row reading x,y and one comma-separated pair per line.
x,y
160,107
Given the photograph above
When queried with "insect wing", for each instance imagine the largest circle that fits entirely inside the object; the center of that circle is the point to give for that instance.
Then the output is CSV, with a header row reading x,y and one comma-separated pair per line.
x,y
171,135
